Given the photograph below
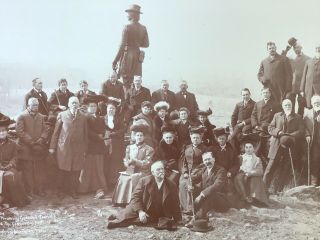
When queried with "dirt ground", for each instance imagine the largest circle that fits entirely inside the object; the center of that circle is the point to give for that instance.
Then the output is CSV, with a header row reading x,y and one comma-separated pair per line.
x,y
288,218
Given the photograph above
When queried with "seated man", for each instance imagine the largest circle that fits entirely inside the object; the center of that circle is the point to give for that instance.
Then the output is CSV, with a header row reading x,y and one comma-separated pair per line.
x,y
154,198
208,189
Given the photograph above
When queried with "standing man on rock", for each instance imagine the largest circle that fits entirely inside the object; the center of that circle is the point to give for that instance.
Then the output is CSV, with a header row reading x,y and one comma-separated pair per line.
x,y
275,72
310,83
129,56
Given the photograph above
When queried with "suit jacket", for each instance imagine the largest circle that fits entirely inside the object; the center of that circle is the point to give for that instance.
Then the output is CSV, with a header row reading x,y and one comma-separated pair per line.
x,y
189,102
70,139
8,153
298,66
81,95
263,112
309,122
212,182
29,129
277,74
42,98
59,98
96,127
110,90
242,113
143,196
310,83
170,98
191,158
136,97
295,128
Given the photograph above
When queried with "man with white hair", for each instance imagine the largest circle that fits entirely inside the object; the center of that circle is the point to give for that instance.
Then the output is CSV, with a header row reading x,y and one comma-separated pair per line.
x,y
298,64
286,130
311,120
70,142
154,200
186,99
32,136
310,83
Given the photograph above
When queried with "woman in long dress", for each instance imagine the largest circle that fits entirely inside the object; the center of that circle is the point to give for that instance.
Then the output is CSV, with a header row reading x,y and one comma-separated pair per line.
x,y
137,160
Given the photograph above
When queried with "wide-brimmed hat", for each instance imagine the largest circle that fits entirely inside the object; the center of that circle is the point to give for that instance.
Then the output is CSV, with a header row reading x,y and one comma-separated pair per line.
x,y
286,141
161,105
5,121
220,131
134,8
165,223
168,128
201,225
139,128
198,129
252,138
204,113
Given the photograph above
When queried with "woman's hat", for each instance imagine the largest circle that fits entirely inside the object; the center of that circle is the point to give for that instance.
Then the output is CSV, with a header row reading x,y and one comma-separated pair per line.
x,y
167,128
161,105
201,225
220,131
204,113
198,129
5,121
139,128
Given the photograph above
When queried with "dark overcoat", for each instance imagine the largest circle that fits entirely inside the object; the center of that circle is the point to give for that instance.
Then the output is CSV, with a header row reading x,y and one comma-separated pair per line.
x,y
263,112
70,140
294,128
143,196
188,102
277,75
59,98
310,83
136,97
42,98
242,113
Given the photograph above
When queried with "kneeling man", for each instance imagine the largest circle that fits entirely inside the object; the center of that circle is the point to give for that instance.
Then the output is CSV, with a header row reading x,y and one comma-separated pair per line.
x,y
208,189
154,200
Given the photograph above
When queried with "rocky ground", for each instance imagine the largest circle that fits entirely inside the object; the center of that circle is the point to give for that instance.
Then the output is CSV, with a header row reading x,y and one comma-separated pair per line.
x,y
294,215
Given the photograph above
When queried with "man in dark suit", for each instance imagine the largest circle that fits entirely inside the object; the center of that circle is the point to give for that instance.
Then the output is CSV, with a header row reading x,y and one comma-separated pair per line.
x,y
59,98
241,117
36,92
208,188
84,92
287,131
136,95
261,117
187,100
164,94
32,136
154,197
275,72
311,120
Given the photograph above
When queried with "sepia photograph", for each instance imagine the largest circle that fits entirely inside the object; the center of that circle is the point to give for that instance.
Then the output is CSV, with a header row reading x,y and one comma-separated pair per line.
x,y
159,120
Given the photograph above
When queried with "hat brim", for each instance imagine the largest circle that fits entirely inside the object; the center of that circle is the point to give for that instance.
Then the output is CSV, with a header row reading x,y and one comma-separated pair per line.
x,y
132,10
195,229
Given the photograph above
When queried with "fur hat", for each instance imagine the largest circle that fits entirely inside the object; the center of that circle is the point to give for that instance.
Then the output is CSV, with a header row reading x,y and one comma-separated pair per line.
x,y
5,121
161,105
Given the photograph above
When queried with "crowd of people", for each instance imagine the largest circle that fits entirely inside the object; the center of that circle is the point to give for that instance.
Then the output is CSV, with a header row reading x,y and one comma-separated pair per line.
x,y
158,153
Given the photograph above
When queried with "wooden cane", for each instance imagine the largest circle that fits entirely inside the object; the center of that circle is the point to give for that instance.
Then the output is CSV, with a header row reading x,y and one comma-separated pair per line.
x,y
192,202
292,168
308,156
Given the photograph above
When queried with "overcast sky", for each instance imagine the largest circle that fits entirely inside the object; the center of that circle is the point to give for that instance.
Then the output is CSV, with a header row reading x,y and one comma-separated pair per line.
x,y
196,40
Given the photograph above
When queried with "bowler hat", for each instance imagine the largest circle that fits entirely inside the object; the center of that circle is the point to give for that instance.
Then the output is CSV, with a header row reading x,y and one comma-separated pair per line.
x,y
220,131
201,225
286,141
134,8
165,223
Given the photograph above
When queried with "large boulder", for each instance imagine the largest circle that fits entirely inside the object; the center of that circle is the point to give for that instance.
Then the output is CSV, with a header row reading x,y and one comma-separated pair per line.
x,y
304,192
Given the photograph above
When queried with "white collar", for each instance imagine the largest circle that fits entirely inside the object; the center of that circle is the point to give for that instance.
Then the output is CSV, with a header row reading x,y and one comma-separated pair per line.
x,y
159,184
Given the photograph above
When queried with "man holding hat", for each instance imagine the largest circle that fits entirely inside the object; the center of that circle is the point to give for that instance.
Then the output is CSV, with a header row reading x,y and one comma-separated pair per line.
x,y
155,201
287,131
32,136
129,56
310,83
311,120
208,187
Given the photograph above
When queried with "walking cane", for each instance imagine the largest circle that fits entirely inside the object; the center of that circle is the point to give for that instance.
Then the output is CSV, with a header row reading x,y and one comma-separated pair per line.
x,y
308,156
192,202
292,168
